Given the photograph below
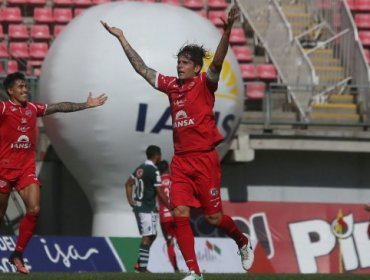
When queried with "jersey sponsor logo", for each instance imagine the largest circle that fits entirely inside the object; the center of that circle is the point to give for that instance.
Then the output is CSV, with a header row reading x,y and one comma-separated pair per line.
x,y
23,120
13,109
22,128
182,119
23,142
179,103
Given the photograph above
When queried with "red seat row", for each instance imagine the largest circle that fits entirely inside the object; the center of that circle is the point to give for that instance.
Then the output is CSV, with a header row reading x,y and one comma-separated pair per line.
x,y
359,5
37,32
23,50
264,72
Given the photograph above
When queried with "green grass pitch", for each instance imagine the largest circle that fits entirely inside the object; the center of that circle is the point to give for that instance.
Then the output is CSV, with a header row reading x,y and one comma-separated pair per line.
x,y
177,276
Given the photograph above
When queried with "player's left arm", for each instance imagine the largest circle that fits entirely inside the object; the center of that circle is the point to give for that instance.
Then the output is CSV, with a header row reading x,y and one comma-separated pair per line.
x,y
66,107
163,197
215,67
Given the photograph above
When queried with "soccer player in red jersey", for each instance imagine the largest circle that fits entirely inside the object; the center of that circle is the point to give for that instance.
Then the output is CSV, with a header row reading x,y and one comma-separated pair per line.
x,y
165,216
195,167
17,153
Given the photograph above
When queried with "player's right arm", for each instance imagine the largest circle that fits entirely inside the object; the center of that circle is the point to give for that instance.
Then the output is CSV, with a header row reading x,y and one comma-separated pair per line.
x,y
128,185
136,61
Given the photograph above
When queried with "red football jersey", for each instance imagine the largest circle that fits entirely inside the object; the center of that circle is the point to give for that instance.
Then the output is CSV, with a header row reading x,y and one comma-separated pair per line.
x,y
18,133
193,120
164,213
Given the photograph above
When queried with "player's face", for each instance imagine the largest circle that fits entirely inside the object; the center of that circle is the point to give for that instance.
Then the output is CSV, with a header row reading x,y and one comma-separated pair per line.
x,y
19,92
186,68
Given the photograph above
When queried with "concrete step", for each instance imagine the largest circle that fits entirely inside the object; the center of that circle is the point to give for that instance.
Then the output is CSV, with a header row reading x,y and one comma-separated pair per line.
x,y
325,61
292,8
341,98
334,118
333,108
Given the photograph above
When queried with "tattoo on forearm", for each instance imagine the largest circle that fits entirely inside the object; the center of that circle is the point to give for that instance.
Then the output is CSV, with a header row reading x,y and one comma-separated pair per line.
x,y
65,107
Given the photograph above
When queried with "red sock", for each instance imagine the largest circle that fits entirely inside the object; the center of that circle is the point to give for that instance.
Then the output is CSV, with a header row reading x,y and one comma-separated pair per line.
x,y
229,227
185,239
172,255
26,228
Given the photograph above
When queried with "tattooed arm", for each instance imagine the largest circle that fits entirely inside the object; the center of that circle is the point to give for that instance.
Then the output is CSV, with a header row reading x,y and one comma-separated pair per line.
x,y
66,107
136,61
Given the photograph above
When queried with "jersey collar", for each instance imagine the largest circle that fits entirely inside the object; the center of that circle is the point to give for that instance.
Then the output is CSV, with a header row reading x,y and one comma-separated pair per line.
x,y
149,162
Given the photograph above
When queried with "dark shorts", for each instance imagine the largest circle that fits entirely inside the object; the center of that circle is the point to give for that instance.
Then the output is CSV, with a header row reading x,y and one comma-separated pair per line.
x,y
17,178
196,181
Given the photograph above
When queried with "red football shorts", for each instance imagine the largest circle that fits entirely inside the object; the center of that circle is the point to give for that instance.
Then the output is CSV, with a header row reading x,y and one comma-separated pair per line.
x,y
17,178
196,181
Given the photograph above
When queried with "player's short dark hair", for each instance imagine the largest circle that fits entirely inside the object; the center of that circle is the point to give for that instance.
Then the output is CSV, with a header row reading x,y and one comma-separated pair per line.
x,y
194,52
11,79
163,166
152,151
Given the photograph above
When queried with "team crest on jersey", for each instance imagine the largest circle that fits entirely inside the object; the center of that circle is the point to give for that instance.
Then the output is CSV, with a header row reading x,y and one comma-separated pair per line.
x,y
213,192
139,173
166,182
28,113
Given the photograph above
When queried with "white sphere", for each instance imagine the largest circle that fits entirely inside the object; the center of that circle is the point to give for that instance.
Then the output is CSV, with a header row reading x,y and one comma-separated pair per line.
x,y
102,146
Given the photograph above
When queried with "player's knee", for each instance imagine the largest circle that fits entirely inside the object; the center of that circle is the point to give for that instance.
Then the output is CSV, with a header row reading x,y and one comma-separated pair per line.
x,y
33,210
181,211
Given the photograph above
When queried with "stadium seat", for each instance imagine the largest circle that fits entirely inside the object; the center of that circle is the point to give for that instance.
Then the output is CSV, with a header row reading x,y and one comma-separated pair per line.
x,y
18,50
34,67
84,3
43,15
17,32
266,72
202,13
11,15
36,2
12,67
62,2
78,11
98,2
255,90
62,15
364,38
248,71
215,17
237,36
193,4
172,2
2,35
367,55
58,29
362,5
216,4
351,5
243,53
38,50
40,32
4,50
17,2
362,21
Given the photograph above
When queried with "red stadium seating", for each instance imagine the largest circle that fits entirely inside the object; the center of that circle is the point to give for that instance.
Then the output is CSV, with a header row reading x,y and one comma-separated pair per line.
x,y
237,36
38,50
362,21
62,15
266,72
146,1
97,2
12,67
18,32
215,17
37,2
4,50
216,4
248,72
40,32
255,90
43,15
18,50
84,3
172,2
2,35
11,15
34,67
57,30
202,13
364,38
78,11
367,55
243,53
362,5
193,4
62,2
17,2
351,5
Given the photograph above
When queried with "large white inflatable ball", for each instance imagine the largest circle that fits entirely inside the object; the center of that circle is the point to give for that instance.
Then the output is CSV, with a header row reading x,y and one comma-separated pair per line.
x,y
102,146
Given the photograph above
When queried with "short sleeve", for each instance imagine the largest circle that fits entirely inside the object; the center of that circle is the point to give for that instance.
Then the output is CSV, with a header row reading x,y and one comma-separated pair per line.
x,y
163,82
40,108
157,179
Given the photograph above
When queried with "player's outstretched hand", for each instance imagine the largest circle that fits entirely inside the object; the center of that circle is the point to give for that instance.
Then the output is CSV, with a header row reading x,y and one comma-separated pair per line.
x,y
96,101
112,30
231,17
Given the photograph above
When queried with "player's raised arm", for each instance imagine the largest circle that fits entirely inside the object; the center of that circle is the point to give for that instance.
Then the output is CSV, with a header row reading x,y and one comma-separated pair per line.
x,y
136,61
66,107
221,51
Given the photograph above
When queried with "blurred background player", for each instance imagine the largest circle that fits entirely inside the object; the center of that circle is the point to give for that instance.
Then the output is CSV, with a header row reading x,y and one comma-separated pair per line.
x,y
142,188
17,153
195,167
165,216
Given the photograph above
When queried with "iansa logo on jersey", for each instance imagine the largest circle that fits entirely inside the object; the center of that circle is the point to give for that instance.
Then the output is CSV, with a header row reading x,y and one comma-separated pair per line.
x,y
23,142
182,119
